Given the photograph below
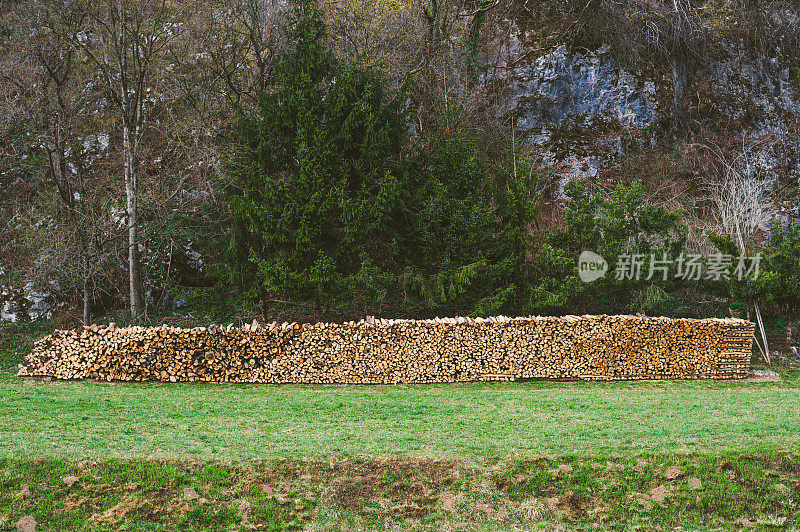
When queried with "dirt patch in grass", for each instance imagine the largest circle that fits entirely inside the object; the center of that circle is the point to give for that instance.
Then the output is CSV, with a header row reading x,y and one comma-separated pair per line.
x,y
400,493
662,490
400,488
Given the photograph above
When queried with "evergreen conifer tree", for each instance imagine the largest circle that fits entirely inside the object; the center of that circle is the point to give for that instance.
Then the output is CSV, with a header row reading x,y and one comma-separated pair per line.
x,y
315,193
467,248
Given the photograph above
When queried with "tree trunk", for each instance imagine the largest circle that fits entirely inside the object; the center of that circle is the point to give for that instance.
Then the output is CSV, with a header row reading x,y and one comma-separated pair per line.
x,y
678,87
87,316
262,303
361,308
789,330
134,266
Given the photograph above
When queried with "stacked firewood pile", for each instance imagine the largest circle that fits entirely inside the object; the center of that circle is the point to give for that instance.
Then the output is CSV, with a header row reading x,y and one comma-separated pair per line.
x,y
403,351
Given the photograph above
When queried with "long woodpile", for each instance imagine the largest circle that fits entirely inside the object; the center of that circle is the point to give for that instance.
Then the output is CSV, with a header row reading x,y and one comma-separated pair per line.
x,y
403,351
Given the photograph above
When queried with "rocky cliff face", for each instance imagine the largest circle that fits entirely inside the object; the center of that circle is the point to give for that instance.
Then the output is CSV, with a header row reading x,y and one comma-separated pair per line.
x,y
580,107
575,106
26,302
563,90
757,92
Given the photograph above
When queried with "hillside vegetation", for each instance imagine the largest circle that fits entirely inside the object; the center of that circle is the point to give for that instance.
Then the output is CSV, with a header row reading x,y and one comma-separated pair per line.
x,y
221,160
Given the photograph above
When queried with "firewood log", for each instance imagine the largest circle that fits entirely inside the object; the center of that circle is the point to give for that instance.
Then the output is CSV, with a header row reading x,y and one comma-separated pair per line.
x,y
392,351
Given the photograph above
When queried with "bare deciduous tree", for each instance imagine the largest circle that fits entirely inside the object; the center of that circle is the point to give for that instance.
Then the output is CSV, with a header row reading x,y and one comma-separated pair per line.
x,y
61,103
682,32
743,208
126,41
242,40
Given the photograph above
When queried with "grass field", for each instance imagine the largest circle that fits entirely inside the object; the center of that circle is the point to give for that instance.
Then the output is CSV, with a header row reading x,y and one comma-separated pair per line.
x,y
82,420
503,456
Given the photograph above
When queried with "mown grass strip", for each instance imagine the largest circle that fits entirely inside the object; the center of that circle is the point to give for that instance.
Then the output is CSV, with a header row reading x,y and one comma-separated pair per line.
x,y
81,419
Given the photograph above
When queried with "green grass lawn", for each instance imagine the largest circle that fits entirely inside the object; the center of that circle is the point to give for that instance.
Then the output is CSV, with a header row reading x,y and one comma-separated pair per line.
x,y
659,491
85,419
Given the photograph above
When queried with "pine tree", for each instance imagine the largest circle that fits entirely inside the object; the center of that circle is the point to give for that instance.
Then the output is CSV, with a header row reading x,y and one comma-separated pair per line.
x,y
332,209
315,192
467,246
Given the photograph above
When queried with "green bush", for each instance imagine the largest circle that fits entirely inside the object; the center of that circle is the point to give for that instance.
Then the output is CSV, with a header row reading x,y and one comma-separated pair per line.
x,y
611,225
